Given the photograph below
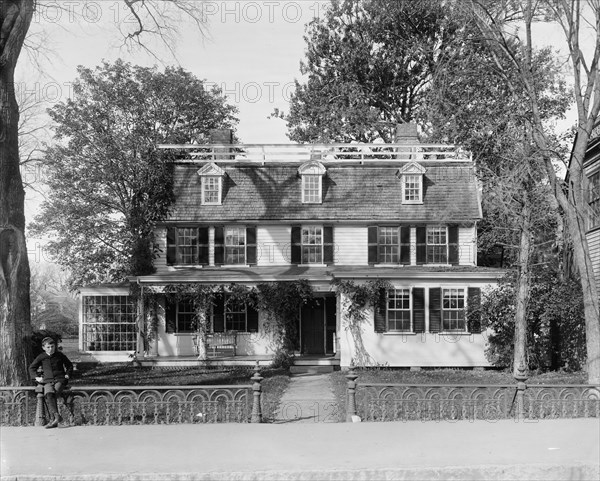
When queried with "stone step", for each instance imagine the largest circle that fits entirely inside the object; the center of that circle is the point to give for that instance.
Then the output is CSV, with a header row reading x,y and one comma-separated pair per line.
x,y
303,369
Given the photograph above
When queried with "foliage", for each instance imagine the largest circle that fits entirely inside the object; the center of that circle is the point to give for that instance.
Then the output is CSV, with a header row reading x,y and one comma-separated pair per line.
x,y
357,299
369,65
281,303
108,183
555,322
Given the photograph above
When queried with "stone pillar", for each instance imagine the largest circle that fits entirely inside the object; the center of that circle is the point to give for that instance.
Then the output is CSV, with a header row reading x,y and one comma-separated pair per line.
x,y
256,416
40,418
351,407
521,376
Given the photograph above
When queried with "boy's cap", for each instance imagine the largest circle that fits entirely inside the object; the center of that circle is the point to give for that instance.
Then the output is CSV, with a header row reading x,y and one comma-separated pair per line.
x,y
47,340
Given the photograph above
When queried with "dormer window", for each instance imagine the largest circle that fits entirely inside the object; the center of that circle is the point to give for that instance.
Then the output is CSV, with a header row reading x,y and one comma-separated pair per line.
x,y
211,180
411,176
312,182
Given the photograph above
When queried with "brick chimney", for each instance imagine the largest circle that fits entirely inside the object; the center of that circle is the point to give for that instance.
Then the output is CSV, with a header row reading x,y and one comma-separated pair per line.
x,y
221,136
406,134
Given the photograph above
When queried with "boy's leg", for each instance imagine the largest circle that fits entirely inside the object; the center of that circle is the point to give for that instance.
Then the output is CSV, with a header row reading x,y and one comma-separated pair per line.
x,y
50,395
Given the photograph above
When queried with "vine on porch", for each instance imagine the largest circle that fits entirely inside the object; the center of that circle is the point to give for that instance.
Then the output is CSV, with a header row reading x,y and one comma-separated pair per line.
x,y
355,301
146,303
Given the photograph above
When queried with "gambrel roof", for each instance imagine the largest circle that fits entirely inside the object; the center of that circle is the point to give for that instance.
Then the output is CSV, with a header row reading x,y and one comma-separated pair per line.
x,y
362,193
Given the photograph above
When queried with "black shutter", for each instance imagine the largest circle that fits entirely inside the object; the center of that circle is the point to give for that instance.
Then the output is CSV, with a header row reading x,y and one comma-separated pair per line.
x,y
219,313
251,245
203,245
372,240
252,319
474,310
171,245
453,245
327,244
421,245
296,244
170,314
405,244
380,309
435,309
219,246
418,309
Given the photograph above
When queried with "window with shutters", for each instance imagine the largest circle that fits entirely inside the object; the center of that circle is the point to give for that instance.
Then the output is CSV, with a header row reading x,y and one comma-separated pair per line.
x,y
389,245
453,310
187,245
211,190
399,310
235,316
594,201
437,245
312,244
235,245
184,322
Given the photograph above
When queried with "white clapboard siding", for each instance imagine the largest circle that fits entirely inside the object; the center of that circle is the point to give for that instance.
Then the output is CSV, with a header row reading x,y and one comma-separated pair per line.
x,y
273,245
467,245
351,247
593,239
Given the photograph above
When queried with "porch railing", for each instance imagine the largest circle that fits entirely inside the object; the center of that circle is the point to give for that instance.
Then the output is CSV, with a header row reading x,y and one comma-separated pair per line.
x,y
427,402
115,405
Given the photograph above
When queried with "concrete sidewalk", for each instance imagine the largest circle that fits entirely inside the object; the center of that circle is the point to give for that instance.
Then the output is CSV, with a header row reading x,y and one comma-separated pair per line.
x,y
553,449
308,399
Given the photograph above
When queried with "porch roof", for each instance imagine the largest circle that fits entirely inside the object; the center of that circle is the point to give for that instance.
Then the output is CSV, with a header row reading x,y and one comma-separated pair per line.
x,y
220,275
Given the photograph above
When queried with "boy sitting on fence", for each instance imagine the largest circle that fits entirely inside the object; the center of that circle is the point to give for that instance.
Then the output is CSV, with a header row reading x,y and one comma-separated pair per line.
x,y
56,369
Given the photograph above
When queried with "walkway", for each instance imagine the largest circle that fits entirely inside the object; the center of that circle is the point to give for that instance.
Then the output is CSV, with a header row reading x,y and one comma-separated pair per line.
x,y
546,450
308,399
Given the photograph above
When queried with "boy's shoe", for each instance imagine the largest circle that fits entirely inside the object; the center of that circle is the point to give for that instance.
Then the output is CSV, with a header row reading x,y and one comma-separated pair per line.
x,y
53,423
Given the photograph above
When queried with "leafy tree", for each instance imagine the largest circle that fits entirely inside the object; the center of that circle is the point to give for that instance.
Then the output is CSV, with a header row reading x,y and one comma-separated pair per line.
x,y
108,185
507,29
369,65
151,18
555,322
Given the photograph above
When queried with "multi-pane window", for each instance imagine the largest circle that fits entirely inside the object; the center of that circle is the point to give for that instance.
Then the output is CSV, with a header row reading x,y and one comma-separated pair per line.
x,y
594,201
437,245
187,242
388,246
312,245
235,245
185,316
108,323
235,316
398,310
453,310
311,189
412,187
211,190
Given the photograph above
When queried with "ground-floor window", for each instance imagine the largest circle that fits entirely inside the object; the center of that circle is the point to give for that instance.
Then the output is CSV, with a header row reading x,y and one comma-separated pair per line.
x,y
185,316
108,323
453,310
235,316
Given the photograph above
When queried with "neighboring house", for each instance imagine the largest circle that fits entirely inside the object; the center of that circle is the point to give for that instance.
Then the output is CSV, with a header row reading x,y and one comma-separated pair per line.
x,y
405,212
591,168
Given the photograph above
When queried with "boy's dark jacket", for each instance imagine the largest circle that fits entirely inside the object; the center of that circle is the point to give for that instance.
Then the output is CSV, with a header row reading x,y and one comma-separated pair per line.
x,y
54,367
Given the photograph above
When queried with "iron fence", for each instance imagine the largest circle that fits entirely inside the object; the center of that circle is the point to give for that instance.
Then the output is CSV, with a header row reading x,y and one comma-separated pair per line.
x,y
115,405
449,402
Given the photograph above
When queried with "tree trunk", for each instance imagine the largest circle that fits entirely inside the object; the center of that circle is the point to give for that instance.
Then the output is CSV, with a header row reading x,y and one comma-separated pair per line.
x,y
15,322
520,360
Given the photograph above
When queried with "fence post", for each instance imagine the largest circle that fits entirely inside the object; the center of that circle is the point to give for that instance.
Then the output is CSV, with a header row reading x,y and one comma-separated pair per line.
x,y
521,377
256,416
40,419
351,407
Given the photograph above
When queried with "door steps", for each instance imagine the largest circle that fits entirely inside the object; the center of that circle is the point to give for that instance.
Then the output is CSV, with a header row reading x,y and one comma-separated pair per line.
x,y
304,369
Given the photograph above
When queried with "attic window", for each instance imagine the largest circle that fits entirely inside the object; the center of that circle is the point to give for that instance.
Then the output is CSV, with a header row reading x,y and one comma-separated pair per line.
x,y
211,180
312,173
411,176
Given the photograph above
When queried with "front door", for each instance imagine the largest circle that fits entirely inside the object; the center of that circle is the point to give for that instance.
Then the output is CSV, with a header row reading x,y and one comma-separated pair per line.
x,y
312,328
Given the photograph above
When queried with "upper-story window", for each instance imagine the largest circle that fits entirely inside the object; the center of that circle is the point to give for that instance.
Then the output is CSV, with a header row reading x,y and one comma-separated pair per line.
x,y
389,244
235,245
312,173
437,245
211,184
594,201
187,245
411,176
312,244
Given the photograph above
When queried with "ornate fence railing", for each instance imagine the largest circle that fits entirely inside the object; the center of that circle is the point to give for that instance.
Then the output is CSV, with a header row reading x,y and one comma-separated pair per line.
x,y
427,402
97,405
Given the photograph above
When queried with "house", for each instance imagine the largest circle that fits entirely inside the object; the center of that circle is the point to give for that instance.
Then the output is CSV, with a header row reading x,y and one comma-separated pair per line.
x,y
403,213
591,169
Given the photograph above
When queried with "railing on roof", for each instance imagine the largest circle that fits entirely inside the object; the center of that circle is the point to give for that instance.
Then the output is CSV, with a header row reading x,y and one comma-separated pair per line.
x,y
281,153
